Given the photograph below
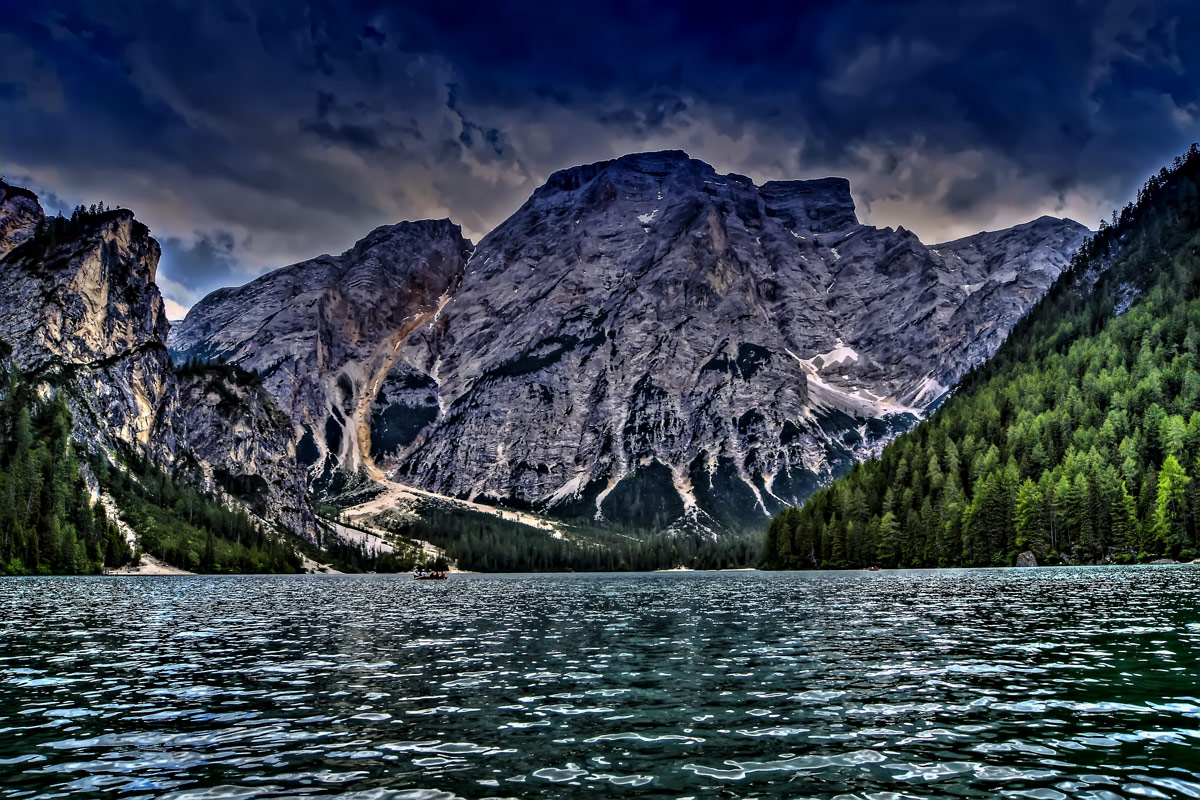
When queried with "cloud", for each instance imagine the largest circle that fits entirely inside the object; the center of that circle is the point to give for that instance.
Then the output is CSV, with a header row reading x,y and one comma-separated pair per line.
x,y
208,257
251,133
28,77
175,311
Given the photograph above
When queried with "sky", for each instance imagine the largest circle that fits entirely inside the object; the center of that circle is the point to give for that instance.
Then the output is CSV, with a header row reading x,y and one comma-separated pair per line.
x,y
251,134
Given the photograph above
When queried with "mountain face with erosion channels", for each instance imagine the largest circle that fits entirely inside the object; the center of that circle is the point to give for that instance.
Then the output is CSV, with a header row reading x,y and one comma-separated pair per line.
x,y
83,315
645,343
324,334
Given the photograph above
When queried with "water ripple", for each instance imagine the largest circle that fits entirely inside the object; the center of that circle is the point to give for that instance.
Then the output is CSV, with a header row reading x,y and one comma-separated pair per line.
x,y
1033,683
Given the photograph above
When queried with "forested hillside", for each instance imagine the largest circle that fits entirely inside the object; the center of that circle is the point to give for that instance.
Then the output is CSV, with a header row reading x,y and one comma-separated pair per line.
x,y
1079,440
50,524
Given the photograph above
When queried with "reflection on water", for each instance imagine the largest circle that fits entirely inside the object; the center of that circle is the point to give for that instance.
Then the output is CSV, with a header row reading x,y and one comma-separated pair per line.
x,y
1027,683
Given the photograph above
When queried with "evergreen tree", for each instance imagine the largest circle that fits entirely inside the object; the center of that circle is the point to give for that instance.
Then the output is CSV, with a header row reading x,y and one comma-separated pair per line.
x,y
1171,506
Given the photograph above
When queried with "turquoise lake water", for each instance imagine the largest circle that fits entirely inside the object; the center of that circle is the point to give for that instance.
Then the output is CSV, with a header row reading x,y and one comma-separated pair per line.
x,y
1042,683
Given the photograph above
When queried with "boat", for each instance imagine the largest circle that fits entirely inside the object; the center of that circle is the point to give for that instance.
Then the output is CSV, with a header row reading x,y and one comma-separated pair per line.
x,y
429,576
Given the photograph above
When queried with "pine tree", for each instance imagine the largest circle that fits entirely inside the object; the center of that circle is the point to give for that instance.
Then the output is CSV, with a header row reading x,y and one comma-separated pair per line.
x,y
889,541
1032,520
1170,506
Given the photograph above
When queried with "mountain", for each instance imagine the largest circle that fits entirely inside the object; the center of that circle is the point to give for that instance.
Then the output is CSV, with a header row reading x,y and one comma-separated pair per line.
x,y
1078,442
644,344
84,321
323,334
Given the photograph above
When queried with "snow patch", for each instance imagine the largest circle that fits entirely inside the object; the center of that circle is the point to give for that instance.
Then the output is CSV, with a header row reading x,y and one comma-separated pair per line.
x,y
856,403
840,354
646,219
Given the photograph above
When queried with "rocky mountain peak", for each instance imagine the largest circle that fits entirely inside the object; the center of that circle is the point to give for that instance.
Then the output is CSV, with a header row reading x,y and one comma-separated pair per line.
x,y
822,205
407,236
20,212
654,164
82,311
671,176
91,286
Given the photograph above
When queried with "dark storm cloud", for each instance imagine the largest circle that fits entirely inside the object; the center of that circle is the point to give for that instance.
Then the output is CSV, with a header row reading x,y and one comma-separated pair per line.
x,y
209,258
252,133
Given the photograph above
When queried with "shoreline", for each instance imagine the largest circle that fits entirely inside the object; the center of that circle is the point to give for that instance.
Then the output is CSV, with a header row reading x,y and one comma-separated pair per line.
x,y
152,567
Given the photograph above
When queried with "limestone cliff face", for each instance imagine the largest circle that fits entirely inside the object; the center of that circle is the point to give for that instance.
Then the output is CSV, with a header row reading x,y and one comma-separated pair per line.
x,y
20,212
81,302
645,342
1004,274
81,311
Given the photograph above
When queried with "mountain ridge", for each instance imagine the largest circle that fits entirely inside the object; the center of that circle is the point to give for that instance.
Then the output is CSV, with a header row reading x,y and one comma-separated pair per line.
x,y
750,376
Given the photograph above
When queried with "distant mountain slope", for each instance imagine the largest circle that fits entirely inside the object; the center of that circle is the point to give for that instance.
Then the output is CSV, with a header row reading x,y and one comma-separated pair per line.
x,y
1078,441
645,342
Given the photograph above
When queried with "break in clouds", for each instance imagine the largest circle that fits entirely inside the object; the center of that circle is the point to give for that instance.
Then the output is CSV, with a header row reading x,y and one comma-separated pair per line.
x,y
250,134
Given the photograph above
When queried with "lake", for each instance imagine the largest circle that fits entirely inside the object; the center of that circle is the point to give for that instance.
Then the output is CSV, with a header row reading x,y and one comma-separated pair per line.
x,y
1041,683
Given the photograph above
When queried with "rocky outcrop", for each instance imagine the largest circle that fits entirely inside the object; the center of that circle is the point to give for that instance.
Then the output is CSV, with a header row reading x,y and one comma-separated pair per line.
x,y
20,213
1027,559
81,303
644,342
83,314
1003,274
242,443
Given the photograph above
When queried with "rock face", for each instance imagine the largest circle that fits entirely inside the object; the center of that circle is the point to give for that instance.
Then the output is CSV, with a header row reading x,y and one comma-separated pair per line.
x,y
1004,273
20,213
1027,559
82,312
81,301
647,343
323,333
243,444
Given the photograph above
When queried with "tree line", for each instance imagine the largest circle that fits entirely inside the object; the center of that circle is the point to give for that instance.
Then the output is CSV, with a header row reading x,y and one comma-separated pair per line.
x,y
187,528
481,542
50,524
